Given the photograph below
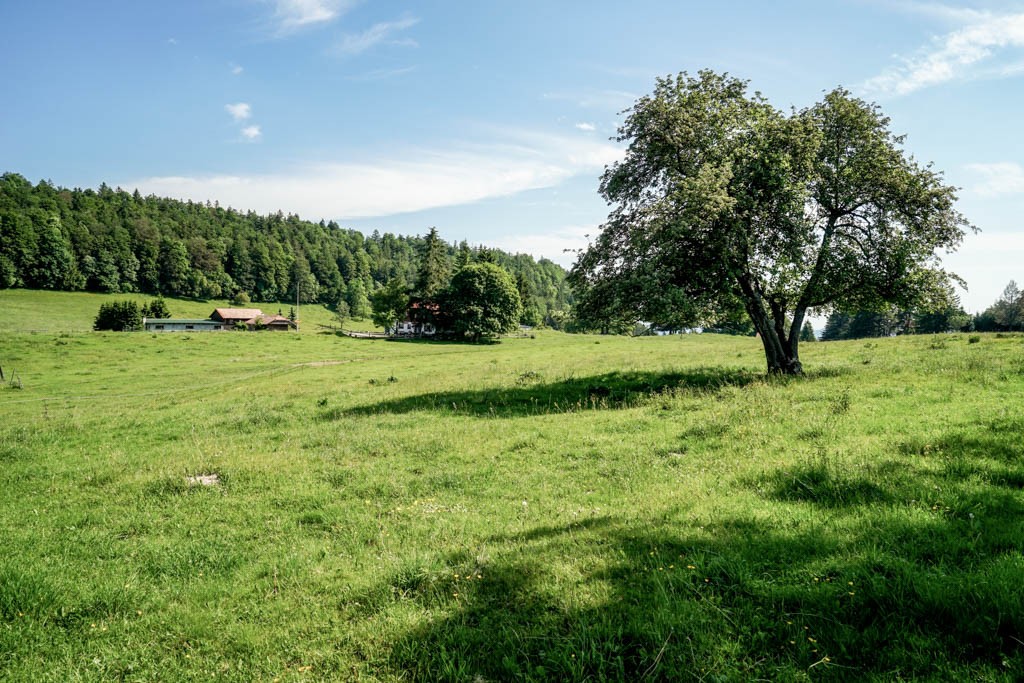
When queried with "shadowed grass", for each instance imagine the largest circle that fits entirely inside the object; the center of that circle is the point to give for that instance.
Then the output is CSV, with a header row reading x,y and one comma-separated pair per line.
x,y
608,391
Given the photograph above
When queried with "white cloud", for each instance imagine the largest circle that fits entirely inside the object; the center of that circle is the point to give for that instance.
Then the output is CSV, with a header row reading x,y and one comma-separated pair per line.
x,y
422,179
235,69
558,245
962,54
595,99
998,179
252,133
292,15
381,74
586,126
356,43
172,41
239,111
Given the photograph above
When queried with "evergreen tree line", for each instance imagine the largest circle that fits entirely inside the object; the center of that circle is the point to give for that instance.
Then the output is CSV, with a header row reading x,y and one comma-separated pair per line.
x,y
1006,314
110,240
888,323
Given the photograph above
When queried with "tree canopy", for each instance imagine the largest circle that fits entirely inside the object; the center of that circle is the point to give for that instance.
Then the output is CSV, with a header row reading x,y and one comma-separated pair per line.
x,y
483,301
110,240
723,200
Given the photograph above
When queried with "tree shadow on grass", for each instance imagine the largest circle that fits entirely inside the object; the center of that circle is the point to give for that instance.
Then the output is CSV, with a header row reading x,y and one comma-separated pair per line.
x,y
914,572
529,397
739,601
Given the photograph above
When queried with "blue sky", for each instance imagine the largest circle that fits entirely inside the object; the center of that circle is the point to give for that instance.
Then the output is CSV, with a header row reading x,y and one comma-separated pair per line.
x,y
489,119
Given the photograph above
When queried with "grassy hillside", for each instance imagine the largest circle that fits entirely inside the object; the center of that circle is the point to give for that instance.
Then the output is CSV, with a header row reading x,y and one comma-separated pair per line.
x,y
557,508
24,310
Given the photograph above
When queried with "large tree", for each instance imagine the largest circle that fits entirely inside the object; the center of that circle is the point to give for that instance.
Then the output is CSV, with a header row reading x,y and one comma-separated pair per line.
x,y
482,301
722,199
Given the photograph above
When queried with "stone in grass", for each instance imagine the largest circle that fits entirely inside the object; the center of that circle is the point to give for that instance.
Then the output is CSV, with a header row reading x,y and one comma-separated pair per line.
x,y
203,480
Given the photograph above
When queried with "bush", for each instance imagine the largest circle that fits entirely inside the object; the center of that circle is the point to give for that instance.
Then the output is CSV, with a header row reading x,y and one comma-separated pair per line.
x,y
119,316
157,308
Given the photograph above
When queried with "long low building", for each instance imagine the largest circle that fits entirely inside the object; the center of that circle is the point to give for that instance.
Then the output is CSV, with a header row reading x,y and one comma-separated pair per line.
x,y
180,325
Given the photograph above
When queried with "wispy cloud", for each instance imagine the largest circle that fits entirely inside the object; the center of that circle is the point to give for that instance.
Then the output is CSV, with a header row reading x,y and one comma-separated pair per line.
x,y
559,245
997,179
380,33
512,162
235,69
239,111
599,99
293,15
589,127
974,50
381,74
252,133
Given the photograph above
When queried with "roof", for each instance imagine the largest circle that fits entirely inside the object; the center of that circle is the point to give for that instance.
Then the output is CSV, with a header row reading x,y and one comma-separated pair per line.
x,y
269,320
236,313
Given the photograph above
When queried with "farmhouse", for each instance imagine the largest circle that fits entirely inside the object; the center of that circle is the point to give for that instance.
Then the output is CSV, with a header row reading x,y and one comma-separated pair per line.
x,y
416,321
275,323
230,316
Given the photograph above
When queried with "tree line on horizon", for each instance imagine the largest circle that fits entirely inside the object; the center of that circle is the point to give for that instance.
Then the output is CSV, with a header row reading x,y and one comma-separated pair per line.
x,y
1005,315
111,240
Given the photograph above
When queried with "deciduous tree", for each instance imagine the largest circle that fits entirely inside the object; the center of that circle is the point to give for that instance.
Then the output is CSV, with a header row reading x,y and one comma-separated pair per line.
x,y
722,198
390,304
483,301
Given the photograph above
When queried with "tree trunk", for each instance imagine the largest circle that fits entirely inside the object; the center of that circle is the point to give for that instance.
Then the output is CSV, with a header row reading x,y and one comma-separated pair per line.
x,y
780,353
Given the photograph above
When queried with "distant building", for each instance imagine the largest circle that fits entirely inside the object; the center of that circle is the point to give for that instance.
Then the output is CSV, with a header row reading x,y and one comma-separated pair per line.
x,y
416,320
276,323
230,316
222,319
180,325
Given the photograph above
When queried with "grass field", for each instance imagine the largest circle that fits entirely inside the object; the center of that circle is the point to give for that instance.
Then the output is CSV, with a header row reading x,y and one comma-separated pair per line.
x,y
43,311
555,508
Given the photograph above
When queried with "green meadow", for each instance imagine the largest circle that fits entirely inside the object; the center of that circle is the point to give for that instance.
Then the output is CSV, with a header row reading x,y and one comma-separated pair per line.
x,y
558,507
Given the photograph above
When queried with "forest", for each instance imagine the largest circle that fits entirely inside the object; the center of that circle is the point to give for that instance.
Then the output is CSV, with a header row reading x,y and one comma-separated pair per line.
x,y
111,240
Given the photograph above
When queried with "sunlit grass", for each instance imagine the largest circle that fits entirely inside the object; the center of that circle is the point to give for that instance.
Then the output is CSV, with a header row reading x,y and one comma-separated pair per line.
x,y
556,508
